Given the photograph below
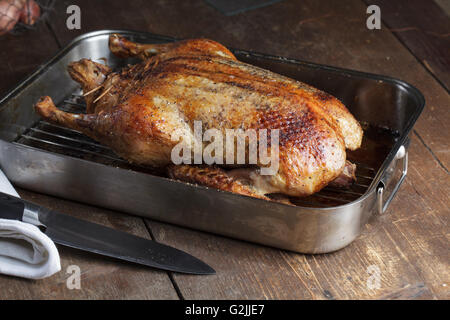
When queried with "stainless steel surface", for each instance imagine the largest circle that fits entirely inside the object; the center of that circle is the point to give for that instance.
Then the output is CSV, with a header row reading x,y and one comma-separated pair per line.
x,y
383,205
61,162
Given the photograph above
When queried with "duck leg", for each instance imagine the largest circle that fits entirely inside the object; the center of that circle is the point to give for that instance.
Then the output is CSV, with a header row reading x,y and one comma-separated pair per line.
x,y
124,48
213,177
81,122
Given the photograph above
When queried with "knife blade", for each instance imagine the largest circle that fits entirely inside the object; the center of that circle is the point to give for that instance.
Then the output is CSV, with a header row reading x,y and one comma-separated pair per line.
x,y
87,236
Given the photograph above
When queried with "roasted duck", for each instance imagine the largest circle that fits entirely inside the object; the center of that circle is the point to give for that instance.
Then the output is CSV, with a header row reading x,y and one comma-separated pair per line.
x,y
135,111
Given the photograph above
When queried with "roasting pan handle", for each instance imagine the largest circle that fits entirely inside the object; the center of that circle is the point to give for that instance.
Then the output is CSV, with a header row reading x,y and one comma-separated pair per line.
x,y
401,154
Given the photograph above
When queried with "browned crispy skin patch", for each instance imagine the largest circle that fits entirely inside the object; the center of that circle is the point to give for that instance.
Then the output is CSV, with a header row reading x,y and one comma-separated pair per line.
x,y
212,177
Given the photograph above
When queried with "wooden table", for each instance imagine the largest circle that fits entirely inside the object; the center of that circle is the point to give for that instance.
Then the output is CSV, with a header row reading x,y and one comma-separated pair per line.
x,y
409,245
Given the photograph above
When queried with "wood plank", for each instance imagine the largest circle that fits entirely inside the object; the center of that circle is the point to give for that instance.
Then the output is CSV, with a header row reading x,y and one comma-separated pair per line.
x,y
424,28
444,4
244,270
101,278
22,53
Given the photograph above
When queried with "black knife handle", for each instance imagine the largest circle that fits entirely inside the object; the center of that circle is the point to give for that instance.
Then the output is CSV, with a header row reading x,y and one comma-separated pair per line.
x,y
11,207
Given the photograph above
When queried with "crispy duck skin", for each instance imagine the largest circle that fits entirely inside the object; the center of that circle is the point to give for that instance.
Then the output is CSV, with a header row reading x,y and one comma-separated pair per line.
x,y
137,110
213,177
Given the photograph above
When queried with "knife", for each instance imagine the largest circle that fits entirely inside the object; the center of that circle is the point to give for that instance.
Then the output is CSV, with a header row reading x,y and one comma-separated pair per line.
x,y
87,236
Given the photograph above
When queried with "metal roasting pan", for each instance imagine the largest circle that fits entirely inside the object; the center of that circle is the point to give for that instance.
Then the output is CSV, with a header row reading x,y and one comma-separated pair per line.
x,y
48,159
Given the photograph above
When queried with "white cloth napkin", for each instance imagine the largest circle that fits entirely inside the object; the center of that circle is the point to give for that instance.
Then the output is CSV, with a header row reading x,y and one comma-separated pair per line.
x,y
24,250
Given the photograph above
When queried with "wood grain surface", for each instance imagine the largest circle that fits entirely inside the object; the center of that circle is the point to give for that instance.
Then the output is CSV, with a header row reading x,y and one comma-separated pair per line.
x,y
22,53
424,27
408,245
